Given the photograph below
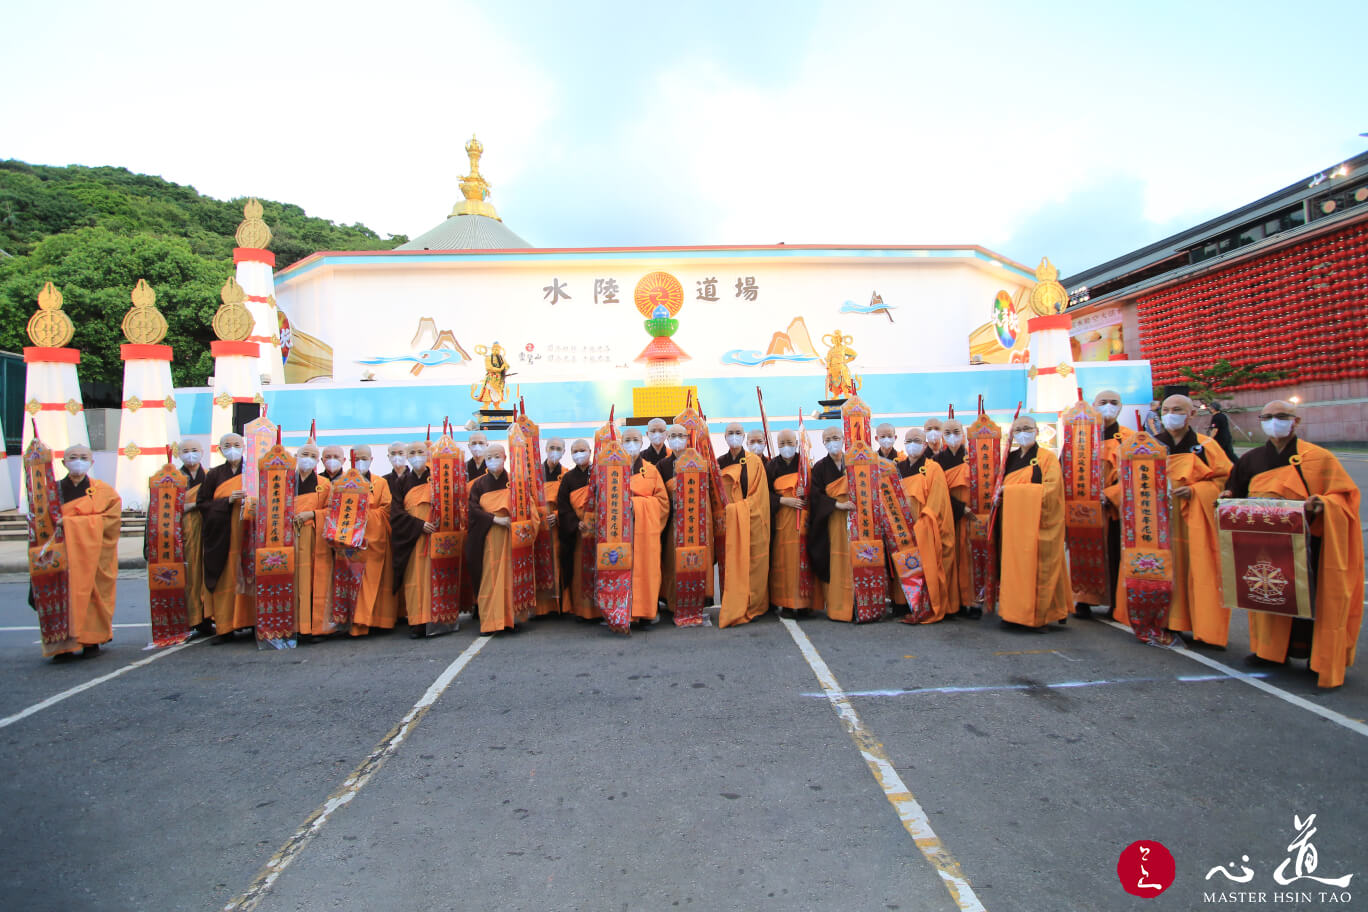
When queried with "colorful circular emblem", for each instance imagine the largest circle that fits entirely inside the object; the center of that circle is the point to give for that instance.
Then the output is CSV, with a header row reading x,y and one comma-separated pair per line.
x,y
1004,320
658,289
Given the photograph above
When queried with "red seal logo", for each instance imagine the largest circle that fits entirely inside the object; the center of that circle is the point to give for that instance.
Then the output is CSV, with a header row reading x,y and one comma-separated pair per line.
x,y
1145,868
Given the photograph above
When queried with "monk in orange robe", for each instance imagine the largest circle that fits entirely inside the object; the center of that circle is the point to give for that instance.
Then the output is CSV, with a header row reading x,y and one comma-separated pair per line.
x,y
572,516
369,605
785,503
410,531
90,526
1033,572
489,545
220,504
959,571
1287,468
923,481
313,557
552,470
1115,433
389,601
1197,473
475,465
886,442
650,512
935,435
829,531
746,593
192,458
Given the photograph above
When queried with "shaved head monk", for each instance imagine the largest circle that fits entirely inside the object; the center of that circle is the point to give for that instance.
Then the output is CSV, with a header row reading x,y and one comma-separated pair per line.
x,y
219,503
1033,572
886,440
372,609
745,593
576,550
192,467
959,571
784,589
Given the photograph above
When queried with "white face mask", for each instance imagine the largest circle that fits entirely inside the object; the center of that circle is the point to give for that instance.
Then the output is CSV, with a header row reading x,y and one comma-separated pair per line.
x,y
477,450
953,440
657,438
494,463
678,444
886,443
788,452
232,453
834,447
554,455
416,463
1174,421
914,449
190,459
1109,410
362,465
933,436
305,463
1277,427
735,440
1024,439
581,457
332,464
78,467
756,447
631,447
398,461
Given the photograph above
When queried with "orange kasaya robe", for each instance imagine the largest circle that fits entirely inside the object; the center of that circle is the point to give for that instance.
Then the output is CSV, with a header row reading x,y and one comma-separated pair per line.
x,y
372,609
783,572
548,603
1197,603
191,537
1034,587
577,598
389,601
313,565
959,571
650,510
934,528
1111,490
495,596
746,594
837,596
90,526
418,573
230,609
1339,577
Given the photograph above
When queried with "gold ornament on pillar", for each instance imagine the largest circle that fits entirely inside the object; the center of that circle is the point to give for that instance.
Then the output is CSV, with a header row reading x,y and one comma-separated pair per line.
x,y
233,322
144,324
1048,297
50,327
474,187
253,232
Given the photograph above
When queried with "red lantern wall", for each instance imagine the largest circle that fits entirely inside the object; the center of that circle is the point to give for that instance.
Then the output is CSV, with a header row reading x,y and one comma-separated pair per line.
x,y
1302,307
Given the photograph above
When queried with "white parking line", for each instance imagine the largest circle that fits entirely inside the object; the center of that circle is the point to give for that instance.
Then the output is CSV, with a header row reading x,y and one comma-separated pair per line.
x,y
1058,685
352,785
910,812
1254,681
58,698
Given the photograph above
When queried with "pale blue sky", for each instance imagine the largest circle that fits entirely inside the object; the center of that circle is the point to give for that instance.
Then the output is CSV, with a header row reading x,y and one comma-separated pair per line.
x,y
1073,130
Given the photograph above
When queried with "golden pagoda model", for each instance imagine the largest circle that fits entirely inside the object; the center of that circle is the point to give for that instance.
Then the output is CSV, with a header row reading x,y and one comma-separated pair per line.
x,y
144,324
232,321
50,327
474,187
659,297
1048,297
253,231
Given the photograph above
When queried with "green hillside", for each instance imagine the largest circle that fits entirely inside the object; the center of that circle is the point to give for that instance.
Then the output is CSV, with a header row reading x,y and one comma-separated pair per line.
x,y
93,232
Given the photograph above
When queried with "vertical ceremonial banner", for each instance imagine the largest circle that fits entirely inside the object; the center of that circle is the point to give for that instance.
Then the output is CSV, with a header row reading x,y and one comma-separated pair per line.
x,y
1265,556
274,540
692,538
865,518
524,512
344,528
1146,552
450,514
47,554
804,516
900,538
1085,517
983,462
543,550
258,436
166,571
700,441
615,524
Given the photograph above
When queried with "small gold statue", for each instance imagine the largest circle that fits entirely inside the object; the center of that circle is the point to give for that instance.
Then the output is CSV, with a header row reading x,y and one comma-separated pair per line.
x,y
840,382
492,392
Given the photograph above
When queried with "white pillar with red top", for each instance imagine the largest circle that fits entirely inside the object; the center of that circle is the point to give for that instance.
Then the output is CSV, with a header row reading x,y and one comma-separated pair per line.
x,y
237,378
1052,382
52,399
256,275
148,424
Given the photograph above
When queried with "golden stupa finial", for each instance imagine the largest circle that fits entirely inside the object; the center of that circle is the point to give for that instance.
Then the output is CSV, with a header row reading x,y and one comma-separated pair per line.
x,y
474,187
50,327
253,232
144,324
233,322
1048,296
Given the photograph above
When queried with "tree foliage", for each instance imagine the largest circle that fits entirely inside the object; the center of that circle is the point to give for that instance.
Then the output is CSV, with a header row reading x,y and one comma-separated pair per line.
x,y
1217,382
93,232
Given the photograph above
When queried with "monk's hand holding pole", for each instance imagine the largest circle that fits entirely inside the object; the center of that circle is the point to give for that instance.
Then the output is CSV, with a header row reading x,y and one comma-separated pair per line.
x,y
429,527
504,521
302,517
1183,492
844,505
1314,504
797,503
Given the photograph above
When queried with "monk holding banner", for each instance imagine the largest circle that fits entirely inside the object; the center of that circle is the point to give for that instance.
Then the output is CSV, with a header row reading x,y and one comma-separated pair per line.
x,y
192,467
689,555
389,603
959,571
549,602
745,596
372,610
1114,436
574,529
651,511
220,503
1033,572
1085,514
1197,473
788,557
1290,469
313,556
489,546
410,529
615,539
923,482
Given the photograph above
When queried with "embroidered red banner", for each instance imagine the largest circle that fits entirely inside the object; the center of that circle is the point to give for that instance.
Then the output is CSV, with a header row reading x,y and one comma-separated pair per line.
x,y
166,572
274,534
1085,518
615,525
1264,556
1146,552
450,514
47,554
